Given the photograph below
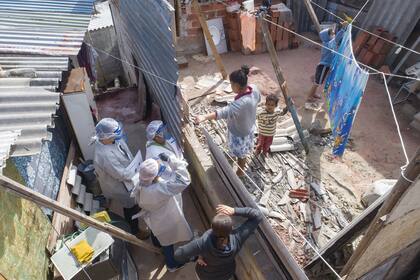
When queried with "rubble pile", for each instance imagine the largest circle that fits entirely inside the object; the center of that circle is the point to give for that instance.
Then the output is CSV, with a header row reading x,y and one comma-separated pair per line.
x,y
285,186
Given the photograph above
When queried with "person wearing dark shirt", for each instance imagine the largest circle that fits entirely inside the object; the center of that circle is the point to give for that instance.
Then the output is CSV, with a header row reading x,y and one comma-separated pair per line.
x,y
216,248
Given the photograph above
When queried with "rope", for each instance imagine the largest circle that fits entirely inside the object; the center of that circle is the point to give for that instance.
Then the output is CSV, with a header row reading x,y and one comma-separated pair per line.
x,y
367,31
361,9
332,50
295,229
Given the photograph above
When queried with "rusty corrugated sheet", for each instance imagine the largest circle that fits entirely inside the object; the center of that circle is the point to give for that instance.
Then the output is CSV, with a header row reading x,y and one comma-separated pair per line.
x,y
144,26
48,27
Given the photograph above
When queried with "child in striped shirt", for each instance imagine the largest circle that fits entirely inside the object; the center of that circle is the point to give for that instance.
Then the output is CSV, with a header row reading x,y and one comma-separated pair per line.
x,y
267,122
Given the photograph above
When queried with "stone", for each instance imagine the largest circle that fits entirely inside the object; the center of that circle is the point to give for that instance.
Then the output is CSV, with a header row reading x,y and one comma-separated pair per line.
x,y
408,110
415,124
376,190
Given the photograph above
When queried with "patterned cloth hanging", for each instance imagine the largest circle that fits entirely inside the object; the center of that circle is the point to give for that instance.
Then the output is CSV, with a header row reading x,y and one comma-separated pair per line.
x,y
344,90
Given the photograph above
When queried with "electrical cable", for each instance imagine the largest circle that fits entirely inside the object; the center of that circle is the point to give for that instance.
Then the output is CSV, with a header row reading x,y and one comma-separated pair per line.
x,y
361,9
362,29
293,226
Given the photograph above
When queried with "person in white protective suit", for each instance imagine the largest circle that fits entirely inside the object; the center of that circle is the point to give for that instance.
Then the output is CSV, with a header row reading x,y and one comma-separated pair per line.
x,y
111,158
160,208
160,141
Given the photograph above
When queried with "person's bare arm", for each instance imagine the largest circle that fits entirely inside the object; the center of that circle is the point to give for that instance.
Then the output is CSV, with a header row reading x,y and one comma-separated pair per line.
x,y
201,118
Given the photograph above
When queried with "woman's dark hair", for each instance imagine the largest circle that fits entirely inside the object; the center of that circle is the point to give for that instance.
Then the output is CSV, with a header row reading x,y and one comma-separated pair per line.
x,y
221,227
273,98
240,77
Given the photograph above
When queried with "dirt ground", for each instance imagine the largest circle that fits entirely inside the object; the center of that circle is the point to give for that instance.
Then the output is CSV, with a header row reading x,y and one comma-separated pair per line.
x,y
375,151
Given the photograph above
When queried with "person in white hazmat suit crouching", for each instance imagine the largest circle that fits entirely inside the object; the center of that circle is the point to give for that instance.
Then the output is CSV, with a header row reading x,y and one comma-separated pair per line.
x,y
111,158
160,207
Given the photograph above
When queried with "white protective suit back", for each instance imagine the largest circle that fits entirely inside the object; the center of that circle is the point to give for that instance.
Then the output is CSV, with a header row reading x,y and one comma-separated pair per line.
x,y
160,208
110,163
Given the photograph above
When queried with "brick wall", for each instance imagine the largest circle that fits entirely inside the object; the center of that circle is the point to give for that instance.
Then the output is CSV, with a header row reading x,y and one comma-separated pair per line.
x,y
191,35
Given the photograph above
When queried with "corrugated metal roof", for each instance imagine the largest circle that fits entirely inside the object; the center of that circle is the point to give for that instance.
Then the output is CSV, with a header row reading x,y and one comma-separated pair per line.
x,y
147,25
28,104
102,18
7,139
48,27
397,17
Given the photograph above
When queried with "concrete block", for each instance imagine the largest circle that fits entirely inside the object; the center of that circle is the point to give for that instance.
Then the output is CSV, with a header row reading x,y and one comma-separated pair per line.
x,y
282,148
415,124
376,190
417,117
408,110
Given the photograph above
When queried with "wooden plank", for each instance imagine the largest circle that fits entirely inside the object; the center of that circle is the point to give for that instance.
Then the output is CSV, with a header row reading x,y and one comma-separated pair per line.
x,y
282,81
45,201
411,173
62,223
312,15
209,38
76,81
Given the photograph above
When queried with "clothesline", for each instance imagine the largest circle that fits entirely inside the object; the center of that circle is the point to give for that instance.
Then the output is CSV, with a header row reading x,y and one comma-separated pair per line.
x,y
367,31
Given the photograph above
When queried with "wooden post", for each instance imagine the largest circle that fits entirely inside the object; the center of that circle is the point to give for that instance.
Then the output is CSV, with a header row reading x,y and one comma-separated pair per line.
x,y
209,38
45,201
282,82
411,173
312,15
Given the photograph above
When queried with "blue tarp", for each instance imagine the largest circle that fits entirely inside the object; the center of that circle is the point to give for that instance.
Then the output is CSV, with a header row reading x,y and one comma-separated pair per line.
x,y
344,90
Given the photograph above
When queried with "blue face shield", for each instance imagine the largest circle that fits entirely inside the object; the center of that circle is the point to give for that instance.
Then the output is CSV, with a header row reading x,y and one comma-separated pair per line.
x,y
119,134
162,131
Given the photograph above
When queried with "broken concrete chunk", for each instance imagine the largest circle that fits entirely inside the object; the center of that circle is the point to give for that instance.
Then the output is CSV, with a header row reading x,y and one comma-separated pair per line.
x,y
280,140
319,189
277,215
316,217
278,177
415,124
291,179
376,190
282,148
264,198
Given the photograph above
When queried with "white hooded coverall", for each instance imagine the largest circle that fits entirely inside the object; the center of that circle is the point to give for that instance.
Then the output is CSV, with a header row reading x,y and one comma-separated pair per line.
x,y
110,163
161,210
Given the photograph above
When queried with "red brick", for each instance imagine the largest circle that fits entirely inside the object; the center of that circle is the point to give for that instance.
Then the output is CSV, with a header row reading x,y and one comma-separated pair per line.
x,y
371,42
209,15
195,23
360,41
368,57
378,60
362,53
194,31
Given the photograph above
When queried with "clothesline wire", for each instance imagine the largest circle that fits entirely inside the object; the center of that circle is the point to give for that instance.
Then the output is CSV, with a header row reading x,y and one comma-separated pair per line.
x,y
360,11
332,50
135,66
377,72
362,29
288,220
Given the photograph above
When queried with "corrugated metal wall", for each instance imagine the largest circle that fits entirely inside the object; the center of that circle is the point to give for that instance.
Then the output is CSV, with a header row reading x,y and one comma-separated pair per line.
x,y
146,31
399,17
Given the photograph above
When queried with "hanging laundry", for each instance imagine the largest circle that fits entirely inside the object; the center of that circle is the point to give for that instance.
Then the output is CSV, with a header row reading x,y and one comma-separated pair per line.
x,y
248,23
344,90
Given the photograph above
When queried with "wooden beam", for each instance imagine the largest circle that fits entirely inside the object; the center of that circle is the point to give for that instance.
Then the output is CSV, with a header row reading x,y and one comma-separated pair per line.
x,y
63,224
411,173
350,232
282,82
45,201
209,38
312,14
